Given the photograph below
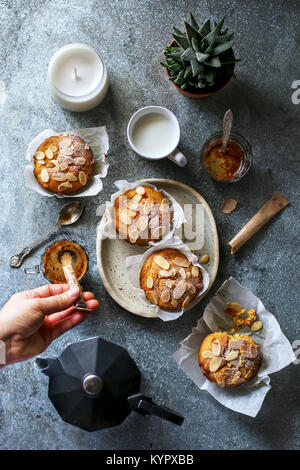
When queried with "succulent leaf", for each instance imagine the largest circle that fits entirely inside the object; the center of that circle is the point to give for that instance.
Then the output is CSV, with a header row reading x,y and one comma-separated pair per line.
x,y
196,67
194,22
181,40
188,54
221,48
195,45
214,62
205,28
192,33
201,57
188,71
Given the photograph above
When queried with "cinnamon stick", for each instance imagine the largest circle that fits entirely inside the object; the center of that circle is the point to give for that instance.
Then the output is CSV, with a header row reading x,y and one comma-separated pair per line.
x,y
265,213
66,263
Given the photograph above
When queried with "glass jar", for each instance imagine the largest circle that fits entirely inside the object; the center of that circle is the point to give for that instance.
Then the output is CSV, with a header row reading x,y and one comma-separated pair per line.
x,y
230,166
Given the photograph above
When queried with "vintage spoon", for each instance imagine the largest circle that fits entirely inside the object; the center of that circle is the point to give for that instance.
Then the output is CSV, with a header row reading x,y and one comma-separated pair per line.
x,y
69,213
227,124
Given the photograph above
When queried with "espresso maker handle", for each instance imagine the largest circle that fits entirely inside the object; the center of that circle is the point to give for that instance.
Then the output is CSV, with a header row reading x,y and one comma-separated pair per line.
x,y
145,406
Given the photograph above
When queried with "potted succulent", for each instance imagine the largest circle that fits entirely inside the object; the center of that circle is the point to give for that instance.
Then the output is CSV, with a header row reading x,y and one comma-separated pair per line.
x,y
200,62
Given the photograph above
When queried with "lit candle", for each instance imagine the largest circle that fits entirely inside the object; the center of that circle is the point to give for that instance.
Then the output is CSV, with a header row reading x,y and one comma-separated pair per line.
x,y
77,77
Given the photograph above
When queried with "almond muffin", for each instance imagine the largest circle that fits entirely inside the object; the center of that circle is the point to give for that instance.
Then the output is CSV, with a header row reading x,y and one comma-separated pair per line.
x,y
63,163
142,215
170,280
229,360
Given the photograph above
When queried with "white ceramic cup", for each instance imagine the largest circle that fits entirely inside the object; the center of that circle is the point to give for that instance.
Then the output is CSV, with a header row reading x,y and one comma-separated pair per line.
x,y
173,153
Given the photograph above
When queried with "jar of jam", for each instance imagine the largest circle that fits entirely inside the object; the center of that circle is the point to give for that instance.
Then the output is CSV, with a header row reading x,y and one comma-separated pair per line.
x,y
231,165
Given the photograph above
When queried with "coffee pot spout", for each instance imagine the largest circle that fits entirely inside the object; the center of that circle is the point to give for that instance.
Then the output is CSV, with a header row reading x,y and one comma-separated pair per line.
x,y
49,367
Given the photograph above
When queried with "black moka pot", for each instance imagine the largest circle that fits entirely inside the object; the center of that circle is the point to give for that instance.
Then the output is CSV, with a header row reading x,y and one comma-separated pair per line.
x,y
95,384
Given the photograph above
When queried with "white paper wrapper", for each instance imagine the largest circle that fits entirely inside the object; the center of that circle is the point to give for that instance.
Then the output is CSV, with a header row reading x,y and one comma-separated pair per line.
x,y
108,229
276,349
96,137
135,263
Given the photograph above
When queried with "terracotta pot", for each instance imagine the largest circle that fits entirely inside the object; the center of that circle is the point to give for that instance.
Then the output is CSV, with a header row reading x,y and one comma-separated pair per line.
x,y
199,95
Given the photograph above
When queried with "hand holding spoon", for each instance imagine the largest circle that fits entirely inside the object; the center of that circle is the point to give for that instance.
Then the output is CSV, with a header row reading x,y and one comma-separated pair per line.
x,y
227,124
69,214
66,262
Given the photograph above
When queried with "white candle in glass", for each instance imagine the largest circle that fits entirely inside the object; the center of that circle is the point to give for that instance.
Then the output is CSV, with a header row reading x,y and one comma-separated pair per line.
x,y
77,77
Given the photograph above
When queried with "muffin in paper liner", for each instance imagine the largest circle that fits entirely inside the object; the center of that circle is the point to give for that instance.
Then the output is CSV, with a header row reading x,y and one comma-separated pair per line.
x,y
275,347
135,263
96,137
107,226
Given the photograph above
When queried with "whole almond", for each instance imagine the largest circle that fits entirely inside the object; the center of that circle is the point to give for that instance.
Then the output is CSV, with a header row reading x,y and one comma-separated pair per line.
x,y
204,259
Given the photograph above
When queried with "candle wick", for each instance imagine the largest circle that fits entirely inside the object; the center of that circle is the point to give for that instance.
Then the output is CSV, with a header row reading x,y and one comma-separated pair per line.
x,y
75,73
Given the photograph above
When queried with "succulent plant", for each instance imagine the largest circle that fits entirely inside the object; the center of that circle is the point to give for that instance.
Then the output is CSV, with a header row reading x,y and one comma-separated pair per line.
x,y
202,57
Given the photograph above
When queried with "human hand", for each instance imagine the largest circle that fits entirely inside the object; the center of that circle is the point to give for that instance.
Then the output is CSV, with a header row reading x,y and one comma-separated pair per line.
x,y
31,320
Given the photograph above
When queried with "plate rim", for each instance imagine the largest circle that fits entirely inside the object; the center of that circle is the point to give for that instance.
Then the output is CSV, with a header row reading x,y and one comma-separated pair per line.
x,y
99,240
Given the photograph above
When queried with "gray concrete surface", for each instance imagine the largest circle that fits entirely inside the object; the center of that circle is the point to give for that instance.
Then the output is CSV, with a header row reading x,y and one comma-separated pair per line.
x,y
130,36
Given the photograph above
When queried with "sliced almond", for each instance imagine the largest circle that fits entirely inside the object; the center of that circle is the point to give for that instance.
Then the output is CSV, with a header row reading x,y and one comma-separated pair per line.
x,y
174,303
257,325
142,222
65,158
39,155
53,148
164,205
65,142
132,205
207,354
182,273
186,301
204,259
133,235
65,133
45,175
161,262
49,153
192,289
157,232
82,178
170,283
136,198
140,190
215,363
164,273
86,146
165,296
79,161
232,355
77,145
70,176
188,275
147,206
216,347
59,176
56,164
154,222
64,186
152,297
149,282
63,165
184,262
125,218
179,289
67,150
195,271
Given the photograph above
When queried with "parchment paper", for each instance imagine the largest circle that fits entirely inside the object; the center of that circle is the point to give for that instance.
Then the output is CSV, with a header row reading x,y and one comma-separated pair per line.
x,y
276,349
135,263
96,137
108,229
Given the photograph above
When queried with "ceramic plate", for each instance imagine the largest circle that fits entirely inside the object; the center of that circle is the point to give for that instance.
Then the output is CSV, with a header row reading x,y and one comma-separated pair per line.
x,y
111,254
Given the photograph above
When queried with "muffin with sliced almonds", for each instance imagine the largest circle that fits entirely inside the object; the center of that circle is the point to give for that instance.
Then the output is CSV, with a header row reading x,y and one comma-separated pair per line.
x,y
63,163
143,214
229,360
170,280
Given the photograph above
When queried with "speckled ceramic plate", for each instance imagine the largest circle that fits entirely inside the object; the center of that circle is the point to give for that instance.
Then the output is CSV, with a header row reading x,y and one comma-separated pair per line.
x,y
111,254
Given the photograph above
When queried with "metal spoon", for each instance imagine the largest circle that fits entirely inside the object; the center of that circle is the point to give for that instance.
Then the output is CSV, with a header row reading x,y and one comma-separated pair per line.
x,y
227,124
69,213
